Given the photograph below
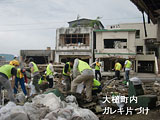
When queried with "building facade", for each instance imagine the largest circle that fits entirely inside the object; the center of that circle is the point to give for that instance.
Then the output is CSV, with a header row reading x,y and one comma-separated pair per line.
x,y
76,41
39,56
128,41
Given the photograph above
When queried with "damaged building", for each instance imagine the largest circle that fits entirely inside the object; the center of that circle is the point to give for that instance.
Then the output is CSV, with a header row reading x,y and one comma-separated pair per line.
x,y
76,41
39,56
128,41
152,9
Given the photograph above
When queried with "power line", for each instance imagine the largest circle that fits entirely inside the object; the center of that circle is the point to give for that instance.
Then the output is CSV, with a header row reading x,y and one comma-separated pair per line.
x,y
26,29
25,24
31,24
121,18
43,23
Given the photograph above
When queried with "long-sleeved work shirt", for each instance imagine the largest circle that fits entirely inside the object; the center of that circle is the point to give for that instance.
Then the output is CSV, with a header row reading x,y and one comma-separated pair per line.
x,y
76,72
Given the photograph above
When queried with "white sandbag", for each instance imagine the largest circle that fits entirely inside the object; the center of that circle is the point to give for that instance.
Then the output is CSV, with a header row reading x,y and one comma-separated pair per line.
x,y
20,97
71,101
85,114
17,113
32,87
65,113
36,111
80,88
13,112
7,108
50,100
60,118
51,116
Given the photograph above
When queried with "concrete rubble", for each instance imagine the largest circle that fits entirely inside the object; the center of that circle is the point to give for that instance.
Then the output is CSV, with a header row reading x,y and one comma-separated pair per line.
x,y
46,107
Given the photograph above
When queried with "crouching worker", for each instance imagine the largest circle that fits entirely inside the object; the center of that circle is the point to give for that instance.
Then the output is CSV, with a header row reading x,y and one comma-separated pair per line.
x,y
6,72
43,83
20,78
86,76
96,88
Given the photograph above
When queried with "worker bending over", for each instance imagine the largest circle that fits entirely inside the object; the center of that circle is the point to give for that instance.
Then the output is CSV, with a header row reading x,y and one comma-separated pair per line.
x,y
20,78
6,72
50,73
67,74
86,75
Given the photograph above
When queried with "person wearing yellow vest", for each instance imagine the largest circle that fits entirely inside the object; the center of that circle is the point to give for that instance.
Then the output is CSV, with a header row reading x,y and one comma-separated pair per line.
x,y
43,83
96,88
66,74
8,71
82,72
97,69
20,78
34,74
50,73
127,66
117,68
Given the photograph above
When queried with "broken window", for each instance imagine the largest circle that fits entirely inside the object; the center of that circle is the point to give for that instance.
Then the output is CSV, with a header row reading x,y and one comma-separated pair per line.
x,y
39,59
124,47
115,43
65,59
139,49
137,33
146,66
78,39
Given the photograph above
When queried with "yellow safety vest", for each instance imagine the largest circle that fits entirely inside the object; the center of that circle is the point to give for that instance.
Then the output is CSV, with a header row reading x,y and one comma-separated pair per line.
x,y
96,84
42,80
97,67
35,67
83,66
6,69
118,66
69,69
19,73
128,65
49,72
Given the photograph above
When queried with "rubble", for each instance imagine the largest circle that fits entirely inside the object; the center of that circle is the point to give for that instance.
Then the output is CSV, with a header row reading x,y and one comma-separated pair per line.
x,y
47,107
115,87
50,100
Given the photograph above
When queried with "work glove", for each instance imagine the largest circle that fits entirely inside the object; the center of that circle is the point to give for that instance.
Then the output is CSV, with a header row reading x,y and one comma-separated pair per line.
x,y
26,84
31,75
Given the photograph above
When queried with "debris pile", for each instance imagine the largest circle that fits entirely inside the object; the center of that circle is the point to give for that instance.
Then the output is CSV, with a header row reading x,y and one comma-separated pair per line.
x,y
156,88
46,107
115,87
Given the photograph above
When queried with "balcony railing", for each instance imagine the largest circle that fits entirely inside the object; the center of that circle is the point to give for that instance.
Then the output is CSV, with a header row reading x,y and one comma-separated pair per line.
x,y
146,53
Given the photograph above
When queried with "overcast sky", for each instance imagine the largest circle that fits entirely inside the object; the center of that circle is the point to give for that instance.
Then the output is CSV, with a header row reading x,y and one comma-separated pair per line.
x,y
31,24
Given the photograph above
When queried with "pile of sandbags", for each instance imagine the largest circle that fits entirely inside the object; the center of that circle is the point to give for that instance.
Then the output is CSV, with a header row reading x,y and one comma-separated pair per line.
x,y
46,107
13,112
